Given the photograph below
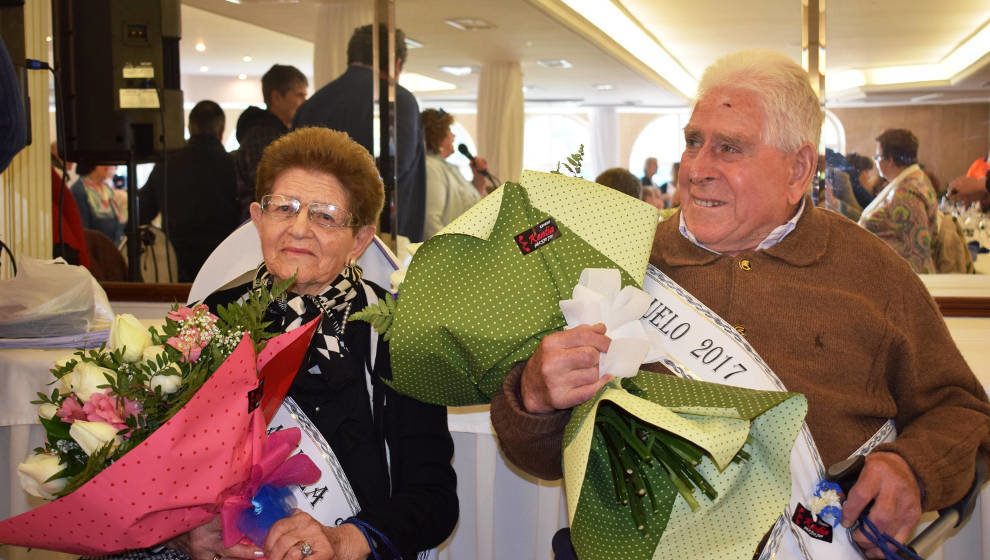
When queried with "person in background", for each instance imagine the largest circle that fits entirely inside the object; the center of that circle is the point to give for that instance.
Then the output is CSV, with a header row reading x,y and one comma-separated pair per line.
x,y
839,195
651,195
904,213
866,180
199,193
283,88
834,312
345,104
649,170
668,188
448,195
68,240
974,186
98,208
622,180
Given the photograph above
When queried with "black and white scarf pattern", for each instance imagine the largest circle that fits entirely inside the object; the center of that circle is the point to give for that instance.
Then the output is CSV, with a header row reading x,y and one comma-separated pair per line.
x,y
291,311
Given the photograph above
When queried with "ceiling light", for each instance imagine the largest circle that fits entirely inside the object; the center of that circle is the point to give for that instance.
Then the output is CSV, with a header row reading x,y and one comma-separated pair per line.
x,y
242,76
204,68
200,46
527,89
417,83
604,87
555,63
48,38
616,24
457,70
234,1
247,59
413,44
469,24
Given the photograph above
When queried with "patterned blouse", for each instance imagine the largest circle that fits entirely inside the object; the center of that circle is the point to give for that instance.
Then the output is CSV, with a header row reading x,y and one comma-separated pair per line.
x,y
904,215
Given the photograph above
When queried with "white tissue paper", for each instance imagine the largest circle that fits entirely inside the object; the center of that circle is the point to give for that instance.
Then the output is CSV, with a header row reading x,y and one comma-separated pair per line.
x,y
599,298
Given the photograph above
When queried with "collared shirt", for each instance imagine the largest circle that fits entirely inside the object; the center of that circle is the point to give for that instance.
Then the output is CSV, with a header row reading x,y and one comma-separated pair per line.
x,y
775,236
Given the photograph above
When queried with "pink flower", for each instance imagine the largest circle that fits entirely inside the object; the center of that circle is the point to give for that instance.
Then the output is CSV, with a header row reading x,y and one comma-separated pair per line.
x,y
105,407
71,410
195,331
183,313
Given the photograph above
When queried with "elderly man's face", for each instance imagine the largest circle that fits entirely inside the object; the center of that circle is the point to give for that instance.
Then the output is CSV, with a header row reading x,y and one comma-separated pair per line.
x,y
735,189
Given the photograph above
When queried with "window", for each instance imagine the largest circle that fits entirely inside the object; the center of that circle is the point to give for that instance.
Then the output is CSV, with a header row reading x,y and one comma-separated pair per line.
x,y
663,139
549,139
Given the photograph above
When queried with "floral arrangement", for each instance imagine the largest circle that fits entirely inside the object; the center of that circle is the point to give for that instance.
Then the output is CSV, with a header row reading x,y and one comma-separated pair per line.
x,y
192,398
110,399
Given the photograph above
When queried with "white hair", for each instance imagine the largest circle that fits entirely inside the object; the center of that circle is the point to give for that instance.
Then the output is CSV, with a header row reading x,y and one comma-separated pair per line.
x,y
793,114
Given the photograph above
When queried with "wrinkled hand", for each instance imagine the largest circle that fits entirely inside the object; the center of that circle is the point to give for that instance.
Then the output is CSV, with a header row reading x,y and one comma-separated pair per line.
x,y
968,189
563,371
286,537
888,481
206,541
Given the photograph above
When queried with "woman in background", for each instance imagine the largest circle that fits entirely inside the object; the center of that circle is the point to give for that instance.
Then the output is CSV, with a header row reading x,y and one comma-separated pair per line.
x,y
448,195
98,208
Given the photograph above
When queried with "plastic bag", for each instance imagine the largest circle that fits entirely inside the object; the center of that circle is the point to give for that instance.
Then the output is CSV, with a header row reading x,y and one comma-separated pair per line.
x,y
52,298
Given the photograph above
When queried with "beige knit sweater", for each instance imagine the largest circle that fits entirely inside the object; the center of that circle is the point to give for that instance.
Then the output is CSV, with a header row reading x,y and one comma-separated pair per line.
x,y
838,316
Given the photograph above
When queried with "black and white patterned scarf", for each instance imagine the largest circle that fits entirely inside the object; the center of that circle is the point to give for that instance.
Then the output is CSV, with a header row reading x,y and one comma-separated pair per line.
x,y
291,310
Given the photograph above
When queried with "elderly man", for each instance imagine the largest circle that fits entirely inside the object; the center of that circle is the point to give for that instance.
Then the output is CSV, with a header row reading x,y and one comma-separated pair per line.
x,y
834,312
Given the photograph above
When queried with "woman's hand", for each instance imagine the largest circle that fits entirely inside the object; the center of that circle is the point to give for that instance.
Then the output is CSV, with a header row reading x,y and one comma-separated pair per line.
x,y
206,543
287,537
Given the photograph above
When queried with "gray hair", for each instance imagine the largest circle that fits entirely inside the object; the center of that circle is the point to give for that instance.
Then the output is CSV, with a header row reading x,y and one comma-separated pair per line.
x,y
793,114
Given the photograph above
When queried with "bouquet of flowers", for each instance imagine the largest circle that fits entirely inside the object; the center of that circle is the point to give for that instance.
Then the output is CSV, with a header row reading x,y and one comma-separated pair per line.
x,y
157,432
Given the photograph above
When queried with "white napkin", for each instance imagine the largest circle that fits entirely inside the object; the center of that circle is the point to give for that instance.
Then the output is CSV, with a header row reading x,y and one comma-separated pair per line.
x,y
597,298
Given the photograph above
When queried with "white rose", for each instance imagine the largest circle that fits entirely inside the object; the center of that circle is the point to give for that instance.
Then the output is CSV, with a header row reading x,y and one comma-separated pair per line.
x,y
130,336
151,353
34,473
84,379
168,383
91,436
59,364
47,411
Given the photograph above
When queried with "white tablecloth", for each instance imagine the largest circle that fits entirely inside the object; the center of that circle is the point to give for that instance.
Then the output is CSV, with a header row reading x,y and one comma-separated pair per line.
x,y
504,514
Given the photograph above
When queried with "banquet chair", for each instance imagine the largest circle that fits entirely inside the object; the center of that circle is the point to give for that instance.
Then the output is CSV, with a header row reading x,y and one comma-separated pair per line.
x,y
241,252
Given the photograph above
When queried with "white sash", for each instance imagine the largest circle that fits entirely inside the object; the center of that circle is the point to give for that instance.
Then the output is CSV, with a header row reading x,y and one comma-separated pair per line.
x,y
696,343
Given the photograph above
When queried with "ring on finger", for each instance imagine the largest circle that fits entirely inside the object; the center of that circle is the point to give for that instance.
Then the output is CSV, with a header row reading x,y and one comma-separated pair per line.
x,y
305,549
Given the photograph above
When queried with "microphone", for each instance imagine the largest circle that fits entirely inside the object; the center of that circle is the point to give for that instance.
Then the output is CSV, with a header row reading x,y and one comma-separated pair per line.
x,y
463,149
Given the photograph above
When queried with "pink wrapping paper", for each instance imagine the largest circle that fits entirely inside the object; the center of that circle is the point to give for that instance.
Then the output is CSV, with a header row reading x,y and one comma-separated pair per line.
x,y
177,478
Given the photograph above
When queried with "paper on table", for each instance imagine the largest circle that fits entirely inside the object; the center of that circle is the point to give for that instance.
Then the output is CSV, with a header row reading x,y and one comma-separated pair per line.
x,y
82,340
597,299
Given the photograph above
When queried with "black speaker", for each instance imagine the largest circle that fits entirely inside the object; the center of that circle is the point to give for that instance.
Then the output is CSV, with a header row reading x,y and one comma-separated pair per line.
x,y
117,66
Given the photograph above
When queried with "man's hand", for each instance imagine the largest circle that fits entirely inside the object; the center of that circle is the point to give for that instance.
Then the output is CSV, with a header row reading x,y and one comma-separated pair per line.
x,y
206,543
968,189
888,481
564,370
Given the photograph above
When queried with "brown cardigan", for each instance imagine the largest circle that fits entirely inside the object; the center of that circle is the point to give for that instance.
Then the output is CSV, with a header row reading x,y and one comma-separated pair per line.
x,y
838,316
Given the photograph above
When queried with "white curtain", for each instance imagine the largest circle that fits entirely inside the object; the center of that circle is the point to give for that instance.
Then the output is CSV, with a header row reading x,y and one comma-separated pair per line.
x,y
604,149
500,118
335,23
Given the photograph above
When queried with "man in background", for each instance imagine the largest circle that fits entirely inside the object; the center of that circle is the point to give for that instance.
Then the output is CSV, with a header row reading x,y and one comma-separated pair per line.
x,y
198,194
649,170
346,104
284,90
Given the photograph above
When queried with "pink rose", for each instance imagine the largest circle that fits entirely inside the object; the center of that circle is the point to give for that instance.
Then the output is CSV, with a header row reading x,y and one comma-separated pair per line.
x,y
71,410
195,332
104,407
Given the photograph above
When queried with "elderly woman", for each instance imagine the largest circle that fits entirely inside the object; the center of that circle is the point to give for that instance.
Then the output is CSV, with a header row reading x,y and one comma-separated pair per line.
x,y
448,195
98,208
318,200
904,214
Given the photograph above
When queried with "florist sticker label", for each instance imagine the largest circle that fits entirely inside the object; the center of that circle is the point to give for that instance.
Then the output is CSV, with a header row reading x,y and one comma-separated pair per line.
x,y
537,236
816,529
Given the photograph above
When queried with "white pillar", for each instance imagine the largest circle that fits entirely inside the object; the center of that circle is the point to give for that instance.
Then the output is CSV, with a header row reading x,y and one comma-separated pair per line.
x,y
604,150
335,23
500,118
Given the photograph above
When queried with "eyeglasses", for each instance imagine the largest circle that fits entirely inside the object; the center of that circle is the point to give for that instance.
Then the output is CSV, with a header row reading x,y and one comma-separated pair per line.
x,y
326,215
878,159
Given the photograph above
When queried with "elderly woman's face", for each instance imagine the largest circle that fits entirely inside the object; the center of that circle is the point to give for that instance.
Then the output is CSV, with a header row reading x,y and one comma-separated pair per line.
x,y
314,253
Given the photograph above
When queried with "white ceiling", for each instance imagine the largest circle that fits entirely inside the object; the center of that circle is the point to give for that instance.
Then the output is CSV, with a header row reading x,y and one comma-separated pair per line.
x,y
861,34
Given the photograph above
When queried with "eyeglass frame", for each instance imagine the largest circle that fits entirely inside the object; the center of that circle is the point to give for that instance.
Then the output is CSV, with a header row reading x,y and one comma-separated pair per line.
x,y
311,208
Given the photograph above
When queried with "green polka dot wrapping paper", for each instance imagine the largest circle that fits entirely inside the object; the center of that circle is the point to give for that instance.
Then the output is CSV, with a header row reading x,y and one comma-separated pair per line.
x,y
717,418
475,301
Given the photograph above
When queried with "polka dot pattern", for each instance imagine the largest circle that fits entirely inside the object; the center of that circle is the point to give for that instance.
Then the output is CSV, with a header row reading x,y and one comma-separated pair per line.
x,y
470,308
751,493
169,483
